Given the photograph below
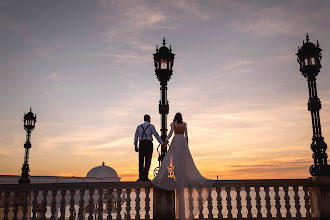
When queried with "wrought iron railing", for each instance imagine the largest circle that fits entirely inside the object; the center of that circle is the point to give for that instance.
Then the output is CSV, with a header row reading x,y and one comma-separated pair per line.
x,y
229,199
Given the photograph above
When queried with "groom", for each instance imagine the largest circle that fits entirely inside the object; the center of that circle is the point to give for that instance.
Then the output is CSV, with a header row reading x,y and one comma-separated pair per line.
x,y
144,133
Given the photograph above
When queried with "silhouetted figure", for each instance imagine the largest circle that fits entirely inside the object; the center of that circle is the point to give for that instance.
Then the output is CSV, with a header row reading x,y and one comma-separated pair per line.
x,y
179,173
144,134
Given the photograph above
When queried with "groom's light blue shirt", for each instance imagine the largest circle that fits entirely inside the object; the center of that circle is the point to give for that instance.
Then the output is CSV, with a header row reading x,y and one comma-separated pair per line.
x,y
149,132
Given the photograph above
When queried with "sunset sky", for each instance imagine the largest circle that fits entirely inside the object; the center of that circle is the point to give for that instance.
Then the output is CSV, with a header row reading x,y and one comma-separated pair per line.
x,y
86,68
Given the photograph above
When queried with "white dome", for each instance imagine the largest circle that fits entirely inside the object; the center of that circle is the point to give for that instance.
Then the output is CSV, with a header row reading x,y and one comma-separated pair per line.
x,y
102,172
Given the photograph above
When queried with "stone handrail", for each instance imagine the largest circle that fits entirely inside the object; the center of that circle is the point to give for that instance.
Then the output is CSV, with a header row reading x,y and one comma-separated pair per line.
x,y
75,186
261,182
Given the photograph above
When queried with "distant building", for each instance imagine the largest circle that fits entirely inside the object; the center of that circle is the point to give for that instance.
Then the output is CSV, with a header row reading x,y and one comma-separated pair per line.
x,y
101,173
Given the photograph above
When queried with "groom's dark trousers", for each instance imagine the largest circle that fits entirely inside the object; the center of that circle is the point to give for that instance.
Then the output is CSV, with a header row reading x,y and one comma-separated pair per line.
x,y
145,155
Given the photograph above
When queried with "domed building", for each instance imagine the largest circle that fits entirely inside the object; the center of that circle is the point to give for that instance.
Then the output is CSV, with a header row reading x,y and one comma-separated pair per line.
x,y
104,173
101,173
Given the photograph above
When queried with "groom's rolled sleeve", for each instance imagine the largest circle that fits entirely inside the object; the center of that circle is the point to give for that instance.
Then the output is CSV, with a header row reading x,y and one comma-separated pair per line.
x,y
154,132
136,137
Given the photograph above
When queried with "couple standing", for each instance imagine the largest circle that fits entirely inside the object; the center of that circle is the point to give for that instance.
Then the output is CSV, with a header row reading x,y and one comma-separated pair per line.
x,y
178,171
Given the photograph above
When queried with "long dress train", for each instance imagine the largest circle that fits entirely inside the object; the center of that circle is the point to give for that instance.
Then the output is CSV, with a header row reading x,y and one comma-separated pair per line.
x,y
178,172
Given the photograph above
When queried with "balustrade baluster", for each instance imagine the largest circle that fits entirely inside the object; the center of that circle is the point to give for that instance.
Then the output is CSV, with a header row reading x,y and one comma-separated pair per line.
x,y
297,201
34,205
137,204
6,206
239,202
91,204
277,203
44,204
53,205
81,213
258,201
248,202
287,202
191,202
15,210
62,209
268,206
128,203
25,205
200,204
100,204
307,204
109,203
219,203
147,203
71,209
209,206
118,204
229,206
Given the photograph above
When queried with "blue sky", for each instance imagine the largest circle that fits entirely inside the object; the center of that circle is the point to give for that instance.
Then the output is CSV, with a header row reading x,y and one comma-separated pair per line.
x,y
86,68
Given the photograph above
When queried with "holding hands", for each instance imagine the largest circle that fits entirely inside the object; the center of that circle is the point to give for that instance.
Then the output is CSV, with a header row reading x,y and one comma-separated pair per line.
x,y
164,144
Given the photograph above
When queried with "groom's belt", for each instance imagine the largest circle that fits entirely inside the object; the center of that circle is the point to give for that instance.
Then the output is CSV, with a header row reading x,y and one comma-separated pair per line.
x,y
145,140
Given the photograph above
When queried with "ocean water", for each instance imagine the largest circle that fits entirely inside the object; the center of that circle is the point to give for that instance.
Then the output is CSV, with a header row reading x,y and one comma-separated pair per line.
x,y
215,211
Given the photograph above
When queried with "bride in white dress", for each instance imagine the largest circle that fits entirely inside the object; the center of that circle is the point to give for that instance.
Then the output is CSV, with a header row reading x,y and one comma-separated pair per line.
x,y
178,172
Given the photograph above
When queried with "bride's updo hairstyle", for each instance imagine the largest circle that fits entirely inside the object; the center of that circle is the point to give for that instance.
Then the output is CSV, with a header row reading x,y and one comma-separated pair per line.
x,y
178,118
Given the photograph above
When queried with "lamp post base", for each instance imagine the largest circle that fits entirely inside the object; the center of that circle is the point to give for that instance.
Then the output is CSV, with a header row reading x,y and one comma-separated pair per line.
x,y
21,180
320,167
25,174
323,170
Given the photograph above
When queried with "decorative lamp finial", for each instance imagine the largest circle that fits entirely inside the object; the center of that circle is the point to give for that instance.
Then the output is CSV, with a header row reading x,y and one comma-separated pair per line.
x,y
164,43
103,163
317,43
307,38
30,109
170,48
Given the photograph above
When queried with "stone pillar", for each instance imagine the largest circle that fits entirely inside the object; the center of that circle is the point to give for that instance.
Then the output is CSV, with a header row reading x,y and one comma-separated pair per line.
x,y
320,197
163,204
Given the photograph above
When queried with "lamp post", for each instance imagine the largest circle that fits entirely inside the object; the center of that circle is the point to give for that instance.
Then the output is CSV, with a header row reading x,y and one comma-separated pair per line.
x,y
29,124
309,59
163,60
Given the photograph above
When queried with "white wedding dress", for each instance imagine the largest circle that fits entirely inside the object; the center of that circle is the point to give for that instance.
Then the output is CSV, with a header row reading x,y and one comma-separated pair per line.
x,y
178,173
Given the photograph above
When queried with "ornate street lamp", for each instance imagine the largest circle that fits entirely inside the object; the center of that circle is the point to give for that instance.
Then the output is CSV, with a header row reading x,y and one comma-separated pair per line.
x,y
29,124
309,59
164,60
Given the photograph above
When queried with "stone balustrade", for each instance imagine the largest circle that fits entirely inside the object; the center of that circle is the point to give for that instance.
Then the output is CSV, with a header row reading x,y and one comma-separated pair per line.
x,y
229,199
262,199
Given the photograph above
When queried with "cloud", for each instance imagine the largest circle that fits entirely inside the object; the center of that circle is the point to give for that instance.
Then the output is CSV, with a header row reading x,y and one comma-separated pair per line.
x,y
5,152
126,21
191,7
279,20
122,58
236,64
129,18
53,76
